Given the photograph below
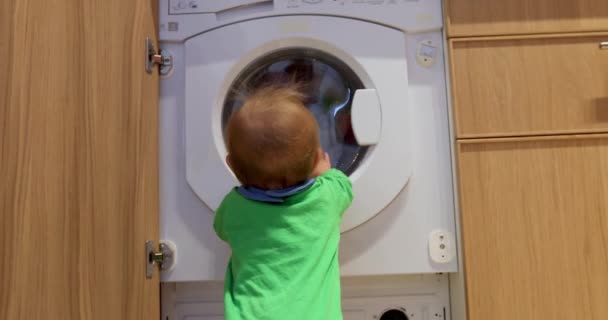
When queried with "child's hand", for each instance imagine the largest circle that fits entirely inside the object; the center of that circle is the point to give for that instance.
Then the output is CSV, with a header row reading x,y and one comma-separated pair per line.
x,y
323,164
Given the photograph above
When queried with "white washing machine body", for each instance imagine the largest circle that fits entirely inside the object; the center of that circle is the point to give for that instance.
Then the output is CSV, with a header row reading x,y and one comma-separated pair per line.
x,y
412,297
377,67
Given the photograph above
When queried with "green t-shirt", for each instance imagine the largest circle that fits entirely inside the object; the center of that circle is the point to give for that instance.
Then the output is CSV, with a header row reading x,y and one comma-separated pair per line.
x,y
284,262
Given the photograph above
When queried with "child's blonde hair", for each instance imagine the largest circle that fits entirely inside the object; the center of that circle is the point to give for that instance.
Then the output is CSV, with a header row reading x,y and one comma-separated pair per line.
x,y
273,139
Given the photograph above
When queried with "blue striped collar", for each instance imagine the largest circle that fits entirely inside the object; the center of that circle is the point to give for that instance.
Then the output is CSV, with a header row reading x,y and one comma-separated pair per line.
x,y
273,196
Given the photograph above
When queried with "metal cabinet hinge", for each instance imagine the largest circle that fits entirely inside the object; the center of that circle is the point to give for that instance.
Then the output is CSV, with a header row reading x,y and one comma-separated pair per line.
x,y
162,58
164,258
604,45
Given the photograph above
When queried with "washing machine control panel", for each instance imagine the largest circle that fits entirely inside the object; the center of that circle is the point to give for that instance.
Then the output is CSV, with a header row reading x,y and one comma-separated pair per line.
x,y
181,19
205,6
342,3
185,6
211,6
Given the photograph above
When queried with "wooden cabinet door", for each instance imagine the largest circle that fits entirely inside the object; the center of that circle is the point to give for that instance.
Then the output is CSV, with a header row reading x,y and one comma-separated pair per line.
x,y
483,17
78,160
535,227
533,86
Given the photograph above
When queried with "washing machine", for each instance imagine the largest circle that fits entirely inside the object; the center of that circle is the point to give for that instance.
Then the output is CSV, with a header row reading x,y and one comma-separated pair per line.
x,y
375,80
393,297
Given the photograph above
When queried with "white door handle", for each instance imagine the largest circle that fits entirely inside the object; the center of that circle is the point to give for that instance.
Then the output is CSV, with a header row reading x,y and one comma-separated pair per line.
x,y
366,117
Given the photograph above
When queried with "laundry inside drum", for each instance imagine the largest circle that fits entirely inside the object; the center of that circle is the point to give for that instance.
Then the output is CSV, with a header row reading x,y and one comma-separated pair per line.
x,y
329,86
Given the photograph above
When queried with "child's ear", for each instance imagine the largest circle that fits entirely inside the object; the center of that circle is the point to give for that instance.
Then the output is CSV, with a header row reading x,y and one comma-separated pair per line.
x,y
320,155
229,162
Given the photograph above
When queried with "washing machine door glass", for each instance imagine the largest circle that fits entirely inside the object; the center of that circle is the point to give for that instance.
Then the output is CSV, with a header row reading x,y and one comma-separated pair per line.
x,y
329,87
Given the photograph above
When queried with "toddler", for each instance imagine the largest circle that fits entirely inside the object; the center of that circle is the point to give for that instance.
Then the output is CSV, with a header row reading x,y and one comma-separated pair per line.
x,y
283,222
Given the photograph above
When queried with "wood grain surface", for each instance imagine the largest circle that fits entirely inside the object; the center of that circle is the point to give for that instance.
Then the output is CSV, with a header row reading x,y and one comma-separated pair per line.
x,y
78,160
484,17
534,219
530,86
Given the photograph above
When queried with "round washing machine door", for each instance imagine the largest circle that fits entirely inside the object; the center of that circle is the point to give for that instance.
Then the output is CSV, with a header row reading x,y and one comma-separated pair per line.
x,y
329,87
356,84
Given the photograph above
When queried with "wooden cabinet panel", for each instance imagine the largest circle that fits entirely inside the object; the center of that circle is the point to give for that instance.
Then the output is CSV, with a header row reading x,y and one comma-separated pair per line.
x,y
483,17
512,87
535,227
78,160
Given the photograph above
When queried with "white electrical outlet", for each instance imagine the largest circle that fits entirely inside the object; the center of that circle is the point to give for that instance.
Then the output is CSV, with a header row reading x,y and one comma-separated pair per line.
x,y
426,53
441,246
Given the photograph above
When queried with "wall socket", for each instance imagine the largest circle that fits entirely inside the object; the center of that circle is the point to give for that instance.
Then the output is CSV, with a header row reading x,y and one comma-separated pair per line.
x,y
441,246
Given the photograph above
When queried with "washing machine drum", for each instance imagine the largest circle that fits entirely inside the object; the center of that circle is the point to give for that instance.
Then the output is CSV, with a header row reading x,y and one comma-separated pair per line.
x,y
360,106
329,87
